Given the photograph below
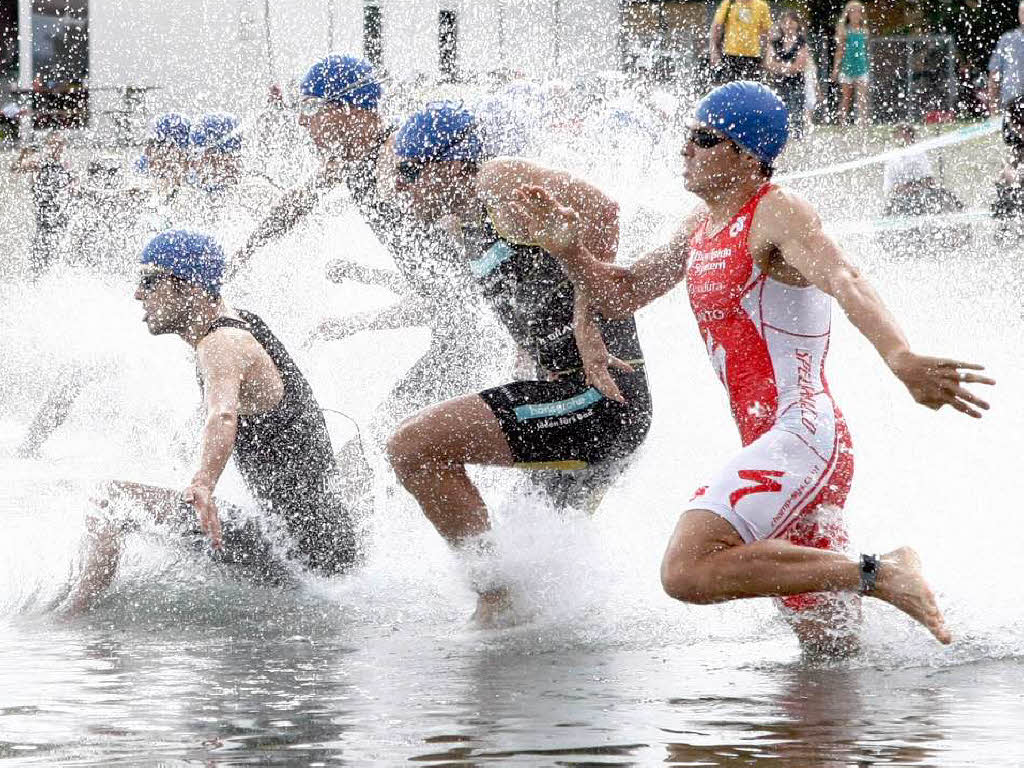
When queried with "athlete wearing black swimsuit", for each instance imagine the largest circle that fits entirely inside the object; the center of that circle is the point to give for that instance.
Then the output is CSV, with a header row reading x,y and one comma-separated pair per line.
x,y
287,463
559,421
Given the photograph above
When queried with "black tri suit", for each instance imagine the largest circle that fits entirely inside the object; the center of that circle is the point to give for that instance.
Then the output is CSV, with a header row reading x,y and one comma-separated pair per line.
x,y
557,421
286,460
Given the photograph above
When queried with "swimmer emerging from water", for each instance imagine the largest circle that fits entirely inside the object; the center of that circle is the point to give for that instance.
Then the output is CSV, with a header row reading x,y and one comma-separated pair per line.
x,y
259,410
340,108
554,421
760,272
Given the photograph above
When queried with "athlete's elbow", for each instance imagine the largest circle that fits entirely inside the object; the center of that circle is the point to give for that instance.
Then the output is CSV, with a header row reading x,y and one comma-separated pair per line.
x,y
686,584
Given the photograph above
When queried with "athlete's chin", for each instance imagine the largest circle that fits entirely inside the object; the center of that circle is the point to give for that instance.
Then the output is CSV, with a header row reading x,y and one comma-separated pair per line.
x,y
691,184
155,326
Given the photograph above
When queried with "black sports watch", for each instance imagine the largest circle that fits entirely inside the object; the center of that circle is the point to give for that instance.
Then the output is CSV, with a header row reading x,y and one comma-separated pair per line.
x,y
868,573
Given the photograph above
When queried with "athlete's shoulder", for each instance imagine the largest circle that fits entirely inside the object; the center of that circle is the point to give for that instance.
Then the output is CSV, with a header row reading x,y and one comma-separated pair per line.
x,y
782,212
228,339
780,201
501,174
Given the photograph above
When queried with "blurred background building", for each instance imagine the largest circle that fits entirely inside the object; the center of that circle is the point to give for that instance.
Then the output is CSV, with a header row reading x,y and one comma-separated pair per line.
x,y
101,63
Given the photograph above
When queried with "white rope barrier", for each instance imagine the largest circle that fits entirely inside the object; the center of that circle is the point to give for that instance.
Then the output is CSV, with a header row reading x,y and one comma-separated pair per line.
x,y
958,136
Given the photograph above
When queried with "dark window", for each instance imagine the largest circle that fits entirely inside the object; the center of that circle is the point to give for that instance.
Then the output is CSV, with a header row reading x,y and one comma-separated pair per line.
x,y
373,43
448,45
9,40
60,63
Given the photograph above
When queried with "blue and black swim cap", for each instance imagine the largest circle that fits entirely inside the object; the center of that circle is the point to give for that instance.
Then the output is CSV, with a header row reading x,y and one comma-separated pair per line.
x,y
190,256
441,131
752,115
346,79
173,129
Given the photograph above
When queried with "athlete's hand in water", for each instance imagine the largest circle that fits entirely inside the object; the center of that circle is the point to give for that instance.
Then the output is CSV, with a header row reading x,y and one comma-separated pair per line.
x,y
537,217
201,497
936,381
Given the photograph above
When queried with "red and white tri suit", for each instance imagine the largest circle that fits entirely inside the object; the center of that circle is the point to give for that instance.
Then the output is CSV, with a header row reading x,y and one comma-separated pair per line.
x,y
767,342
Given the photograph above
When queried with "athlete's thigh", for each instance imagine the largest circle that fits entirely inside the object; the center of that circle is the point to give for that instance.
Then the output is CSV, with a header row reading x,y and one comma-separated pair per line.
x,y
769,483
462,430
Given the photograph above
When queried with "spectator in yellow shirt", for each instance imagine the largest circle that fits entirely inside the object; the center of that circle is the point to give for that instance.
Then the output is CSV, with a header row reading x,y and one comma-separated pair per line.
x,y
739,39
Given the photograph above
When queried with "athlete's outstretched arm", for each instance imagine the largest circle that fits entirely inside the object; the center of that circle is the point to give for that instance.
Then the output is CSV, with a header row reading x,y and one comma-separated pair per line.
x,y
501,182
789,223
343,269
613,290
405,314
282,218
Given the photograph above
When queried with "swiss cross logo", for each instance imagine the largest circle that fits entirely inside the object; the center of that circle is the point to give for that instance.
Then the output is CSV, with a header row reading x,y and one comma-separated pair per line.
x,y
763,483
737,226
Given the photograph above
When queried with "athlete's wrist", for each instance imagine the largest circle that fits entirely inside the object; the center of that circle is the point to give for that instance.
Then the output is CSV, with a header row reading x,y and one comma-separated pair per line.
x,y
897,358
203,483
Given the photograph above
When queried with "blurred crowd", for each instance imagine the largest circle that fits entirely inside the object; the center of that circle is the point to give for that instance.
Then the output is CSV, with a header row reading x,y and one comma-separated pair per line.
x,y
196,169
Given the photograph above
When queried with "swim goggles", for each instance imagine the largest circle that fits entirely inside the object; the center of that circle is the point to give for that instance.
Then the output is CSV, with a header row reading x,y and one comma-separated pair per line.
x,y
704,138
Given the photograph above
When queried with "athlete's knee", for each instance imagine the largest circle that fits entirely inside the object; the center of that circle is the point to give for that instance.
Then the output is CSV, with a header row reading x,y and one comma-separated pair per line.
x,y
409,450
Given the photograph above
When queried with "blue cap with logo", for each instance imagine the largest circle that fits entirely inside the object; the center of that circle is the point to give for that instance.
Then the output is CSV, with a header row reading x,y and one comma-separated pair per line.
x,y
217,132
443,130
751,114
347,79
190,256
172,128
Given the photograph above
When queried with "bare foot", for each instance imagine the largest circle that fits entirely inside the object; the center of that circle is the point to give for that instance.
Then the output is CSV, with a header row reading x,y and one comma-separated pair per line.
x,y
494,610
901,584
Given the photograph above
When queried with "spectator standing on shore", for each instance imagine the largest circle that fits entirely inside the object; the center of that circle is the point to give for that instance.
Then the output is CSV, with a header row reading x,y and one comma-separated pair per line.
x,y
851,67
1006,73
786,59
739,38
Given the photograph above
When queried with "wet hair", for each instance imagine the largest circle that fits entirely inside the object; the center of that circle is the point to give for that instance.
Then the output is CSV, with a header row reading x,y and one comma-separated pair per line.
x,y
844,19
790,14
767,170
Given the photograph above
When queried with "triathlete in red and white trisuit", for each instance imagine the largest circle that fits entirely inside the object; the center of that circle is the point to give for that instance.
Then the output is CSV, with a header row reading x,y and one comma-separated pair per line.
x,y
761,280
767,342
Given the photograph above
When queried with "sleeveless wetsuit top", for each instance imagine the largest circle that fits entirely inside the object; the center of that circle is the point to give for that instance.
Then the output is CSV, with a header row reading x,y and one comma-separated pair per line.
x,y
533,297
286,451
855,55
767,340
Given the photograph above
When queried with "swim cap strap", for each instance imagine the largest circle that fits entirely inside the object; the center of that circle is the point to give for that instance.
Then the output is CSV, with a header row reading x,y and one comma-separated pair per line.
x,y
868,573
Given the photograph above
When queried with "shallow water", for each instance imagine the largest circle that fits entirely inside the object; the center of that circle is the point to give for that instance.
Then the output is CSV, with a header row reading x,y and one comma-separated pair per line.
x,y
179,664
252,693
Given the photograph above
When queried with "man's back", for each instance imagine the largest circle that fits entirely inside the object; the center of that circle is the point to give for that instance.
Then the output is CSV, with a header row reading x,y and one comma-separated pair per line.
x,y
744,21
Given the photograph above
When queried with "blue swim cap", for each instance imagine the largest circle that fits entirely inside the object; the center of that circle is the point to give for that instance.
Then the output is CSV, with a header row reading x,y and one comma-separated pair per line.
x,y
750,114
171,128
441,131
218,133
191,256
343,79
